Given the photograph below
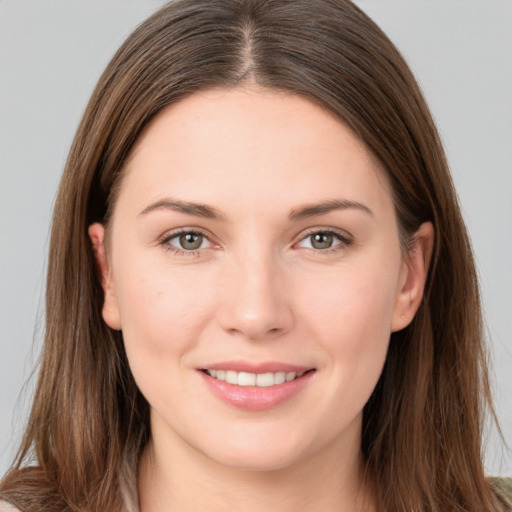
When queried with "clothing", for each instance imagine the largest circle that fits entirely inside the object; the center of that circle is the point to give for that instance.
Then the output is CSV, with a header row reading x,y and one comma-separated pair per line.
x,y
501,486
503,489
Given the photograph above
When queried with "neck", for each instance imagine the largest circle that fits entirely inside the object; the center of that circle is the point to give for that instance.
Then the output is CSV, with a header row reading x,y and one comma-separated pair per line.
x,y
178,478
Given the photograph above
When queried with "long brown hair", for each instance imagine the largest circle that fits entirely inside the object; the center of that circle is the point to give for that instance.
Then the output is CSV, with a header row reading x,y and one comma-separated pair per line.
x,y
422,426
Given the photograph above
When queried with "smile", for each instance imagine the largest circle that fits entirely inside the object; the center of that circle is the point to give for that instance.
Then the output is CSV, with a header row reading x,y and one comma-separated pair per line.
x,y
263,388
262,380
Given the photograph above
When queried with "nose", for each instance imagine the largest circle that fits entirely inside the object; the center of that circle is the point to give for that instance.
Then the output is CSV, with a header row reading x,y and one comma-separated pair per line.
x,y
256,298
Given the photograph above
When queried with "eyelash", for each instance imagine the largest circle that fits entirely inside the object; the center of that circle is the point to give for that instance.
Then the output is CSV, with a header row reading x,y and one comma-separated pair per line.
x,y
343,239
165,242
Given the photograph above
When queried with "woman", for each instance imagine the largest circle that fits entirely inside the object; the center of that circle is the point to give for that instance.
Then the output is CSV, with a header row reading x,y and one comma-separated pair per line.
x,y
259,281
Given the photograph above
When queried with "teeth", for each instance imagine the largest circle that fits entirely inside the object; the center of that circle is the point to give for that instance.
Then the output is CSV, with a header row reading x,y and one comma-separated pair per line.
x,y
262,380
231,377
246,379
280,377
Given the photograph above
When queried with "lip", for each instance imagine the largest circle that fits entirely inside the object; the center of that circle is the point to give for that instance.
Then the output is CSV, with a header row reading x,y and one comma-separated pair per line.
x,y
254,398
252,367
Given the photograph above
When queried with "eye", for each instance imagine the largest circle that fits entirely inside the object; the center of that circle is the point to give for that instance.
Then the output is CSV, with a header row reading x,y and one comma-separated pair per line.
x,y
187,242
325,241
190,241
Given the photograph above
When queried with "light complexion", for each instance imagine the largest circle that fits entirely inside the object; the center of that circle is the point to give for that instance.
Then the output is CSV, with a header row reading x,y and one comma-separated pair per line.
x,y
254,267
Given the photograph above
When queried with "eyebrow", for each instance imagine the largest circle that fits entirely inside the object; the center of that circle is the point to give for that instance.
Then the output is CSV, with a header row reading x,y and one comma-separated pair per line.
x,y
209,212
324,207
189,208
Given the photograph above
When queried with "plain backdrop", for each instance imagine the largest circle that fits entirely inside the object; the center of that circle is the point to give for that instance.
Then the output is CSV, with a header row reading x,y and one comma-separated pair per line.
x,y
52,53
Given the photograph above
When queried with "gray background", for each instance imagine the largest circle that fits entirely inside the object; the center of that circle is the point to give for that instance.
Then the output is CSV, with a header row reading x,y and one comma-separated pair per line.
x,y
51,54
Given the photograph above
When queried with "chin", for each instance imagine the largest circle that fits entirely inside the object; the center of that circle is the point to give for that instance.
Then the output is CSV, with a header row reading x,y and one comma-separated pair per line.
x,y
261,464
261,456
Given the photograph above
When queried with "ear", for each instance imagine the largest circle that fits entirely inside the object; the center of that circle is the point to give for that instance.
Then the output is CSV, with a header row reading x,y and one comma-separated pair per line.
x,y
110,309
413,276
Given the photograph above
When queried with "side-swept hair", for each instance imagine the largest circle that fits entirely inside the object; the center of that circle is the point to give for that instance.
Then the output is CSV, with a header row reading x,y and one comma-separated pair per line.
x,y
422,426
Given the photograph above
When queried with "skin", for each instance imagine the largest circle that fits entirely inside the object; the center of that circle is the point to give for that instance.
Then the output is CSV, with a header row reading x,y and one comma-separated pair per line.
x,y
256,290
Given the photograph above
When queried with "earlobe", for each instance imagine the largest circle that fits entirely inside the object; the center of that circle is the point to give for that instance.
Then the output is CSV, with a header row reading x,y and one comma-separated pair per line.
x,y
413,277
110,310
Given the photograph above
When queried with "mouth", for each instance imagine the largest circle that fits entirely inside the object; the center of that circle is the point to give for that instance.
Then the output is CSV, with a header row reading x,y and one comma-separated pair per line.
x,y
265,387
260,380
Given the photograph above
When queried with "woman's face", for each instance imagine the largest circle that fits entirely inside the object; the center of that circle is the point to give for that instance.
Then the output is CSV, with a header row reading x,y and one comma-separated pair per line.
x,y
254,268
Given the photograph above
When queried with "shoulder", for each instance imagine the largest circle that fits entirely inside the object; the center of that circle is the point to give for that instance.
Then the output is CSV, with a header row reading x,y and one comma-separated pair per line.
x,y
7,507
502,487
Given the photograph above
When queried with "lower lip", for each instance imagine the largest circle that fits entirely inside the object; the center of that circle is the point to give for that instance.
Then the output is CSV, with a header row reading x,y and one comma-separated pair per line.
x,y
254,398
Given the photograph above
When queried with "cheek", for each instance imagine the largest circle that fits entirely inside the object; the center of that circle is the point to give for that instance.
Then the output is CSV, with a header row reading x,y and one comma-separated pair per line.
x,y
352,300
350,316
162,313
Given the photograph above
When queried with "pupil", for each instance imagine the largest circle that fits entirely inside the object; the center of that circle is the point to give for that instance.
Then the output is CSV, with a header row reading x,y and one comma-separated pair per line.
x,y
322,241
191,241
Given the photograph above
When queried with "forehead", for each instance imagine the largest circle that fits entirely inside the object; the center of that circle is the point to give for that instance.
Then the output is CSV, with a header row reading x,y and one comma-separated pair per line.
x,y
254,144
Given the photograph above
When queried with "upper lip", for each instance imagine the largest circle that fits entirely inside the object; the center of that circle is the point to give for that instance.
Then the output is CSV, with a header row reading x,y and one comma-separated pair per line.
x,y
255,367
